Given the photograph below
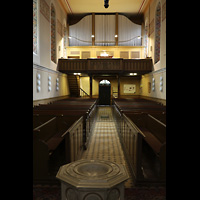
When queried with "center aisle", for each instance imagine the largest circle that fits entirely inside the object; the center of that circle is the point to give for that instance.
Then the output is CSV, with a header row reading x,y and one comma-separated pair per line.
x,y
105,143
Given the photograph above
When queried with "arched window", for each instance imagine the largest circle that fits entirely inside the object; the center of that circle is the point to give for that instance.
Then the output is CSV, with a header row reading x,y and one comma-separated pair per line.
x,y
157,32
104,82
53,34
146,33
35,26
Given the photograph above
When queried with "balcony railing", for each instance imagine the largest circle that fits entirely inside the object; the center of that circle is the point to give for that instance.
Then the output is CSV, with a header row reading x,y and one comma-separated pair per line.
x,y
102,65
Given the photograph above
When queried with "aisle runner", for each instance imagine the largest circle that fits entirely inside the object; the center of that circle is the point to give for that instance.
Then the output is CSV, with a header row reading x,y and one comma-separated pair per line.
x,y
104,143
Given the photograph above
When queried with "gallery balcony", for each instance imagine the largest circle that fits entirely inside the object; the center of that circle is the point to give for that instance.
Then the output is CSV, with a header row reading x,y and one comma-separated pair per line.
x,y
105,65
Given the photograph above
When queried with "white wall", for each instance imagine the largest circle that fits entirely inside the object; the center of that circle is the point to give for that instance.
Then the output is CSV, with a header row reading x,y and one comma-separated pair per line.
x,y
159,69
42,63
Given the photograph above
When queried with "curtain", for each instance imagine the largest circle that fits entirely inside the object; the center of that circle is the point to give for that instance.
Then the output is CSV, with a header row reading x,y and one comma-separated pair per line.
x,y
80,33
128,32
105,30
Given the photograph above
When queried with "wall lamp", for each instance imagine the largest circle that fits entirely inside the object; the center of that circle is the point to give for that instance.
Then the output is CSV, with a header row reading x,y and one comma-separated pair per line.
x,y
106,3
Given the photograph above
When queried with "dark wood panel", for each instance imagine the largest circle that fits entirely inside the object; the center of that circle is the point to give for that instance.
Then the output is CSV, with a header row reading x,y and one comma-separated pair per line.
x,y
102,65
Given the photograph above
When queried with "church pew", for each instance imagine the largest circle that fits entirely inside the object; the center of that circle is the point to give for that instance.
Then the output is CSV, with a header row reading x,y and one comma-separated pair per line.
x,y
160,116
46,143
46,140
138,130
155,136
40,119
153,129
58,108
140,106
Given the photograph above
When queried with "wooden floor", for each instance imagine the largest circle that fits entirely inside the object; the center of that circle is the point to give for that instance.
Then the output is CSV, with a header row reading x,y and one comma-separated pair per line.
x,y
105,143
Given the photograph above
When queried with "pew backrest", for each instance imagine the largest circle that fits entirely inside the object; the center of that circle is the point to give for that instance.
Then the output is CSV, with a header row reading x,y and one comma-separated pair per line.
x,y
46,130
157,128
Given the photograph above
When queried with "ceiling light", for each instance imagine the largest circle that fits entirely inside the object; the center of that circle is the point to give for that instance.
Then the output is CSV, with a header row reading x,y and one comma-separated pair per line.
x,y
92,36
132,74
77,74
116,35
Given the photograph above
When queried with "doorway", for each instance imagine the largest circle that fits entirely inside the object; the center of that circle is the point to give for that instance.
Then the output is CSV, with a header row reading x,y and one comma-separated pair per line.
x,y
104,92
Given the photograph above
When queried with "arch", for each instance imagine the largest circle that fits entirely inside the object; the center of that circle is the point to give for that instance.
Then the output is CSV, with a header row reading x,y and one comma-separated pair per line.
x,y
53,33
104,82
35,26
146,39
157,32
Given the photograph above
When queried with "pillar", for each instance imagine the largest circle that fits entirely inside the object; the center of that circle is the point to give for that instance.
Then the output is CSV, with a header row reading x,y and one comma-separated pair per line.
x,y
116,29
118,86
93,29
90,86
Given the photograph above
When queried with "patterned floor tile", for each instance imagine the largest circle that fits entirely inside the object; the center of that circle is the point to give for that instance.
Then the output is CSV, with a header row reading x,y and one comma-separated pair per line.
x,y
105,143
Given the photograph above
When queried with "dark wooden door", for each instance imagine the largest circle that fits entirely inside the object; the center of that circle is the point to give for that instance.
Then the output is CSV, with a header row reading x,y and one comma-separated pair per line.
x,y
104,94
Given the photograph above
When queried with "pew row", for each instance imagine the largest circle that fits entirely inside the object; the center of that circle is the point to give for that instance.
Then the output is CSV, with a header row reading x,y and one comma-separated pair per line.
x,y
59,132
139,106
143,138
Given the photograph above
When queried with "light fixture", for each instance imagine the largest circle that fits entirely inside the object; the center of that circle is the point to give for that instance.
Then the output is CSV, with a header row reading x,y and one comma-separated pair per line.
x,y
38,82
132,74
161,83
77,74
92,36
116,36
70,37
106,3
153,84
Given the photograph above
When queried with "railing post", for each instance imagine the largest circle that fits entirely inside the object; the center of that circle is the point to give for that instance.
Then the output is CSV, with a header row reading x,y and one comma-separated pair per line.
x,y
84,131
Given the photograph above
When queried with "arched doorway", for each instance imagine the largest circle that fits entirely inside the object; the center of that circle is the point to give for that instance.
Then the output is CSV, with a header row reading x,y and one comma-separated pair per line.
x,y
104,92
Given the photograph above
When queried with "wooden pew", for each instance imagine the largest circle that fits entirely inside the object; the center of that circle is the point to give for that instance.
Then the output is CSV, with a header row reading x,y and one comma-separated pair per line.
x,y
153,129
133,124
40,119
46,139
66,129
138,106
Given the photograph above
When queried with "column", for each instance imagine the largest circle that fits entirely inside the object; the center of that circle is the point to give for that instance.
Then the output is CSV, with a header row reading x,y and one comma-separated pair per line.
x,y
116,29
90,86
93,29
118,86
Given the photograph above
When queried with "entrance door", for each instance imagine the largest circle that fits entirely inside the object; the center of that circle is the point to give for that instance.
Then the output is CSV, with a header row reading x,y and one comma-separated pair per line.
x,y
104,92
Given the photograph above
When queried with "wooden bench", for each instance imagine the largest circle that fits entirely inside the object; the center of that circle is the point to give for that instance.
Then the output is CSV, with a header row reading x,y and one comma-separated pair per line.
x,y
46,139
136,121
63,126
153,129
40,119
155,136
139,107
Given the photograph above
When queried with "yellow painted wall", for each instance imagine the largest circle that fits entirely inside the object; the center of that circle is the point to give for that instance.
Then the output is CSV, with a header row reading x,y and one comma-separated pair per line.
x,y
85,84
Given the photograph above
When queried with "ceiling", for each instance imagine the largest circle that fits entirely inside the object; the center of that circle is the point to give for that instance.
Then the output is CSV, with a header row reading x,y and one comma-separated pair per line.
x,y
133,7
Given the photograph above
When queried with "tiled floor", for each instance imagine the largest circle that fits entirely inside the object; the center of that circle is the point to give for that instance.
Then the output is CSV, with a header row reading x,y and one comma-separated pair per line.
x,y
105,143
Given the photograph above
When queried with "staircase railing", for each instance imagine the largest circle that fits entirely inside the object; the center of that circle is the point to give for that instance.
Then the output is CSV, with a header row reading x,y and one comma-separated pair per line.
x,y
83,93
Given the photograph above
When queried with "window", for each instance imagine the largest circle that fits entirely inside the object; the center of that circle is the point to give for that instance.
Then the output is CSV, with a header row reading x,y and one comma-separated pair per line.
x,y
146,42
157,32
53,34
35,26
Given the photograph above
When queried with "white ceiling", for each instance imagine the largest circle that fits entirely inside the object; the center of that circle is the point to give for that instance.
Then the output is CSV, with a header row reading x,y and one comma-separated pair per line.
x,y
97,6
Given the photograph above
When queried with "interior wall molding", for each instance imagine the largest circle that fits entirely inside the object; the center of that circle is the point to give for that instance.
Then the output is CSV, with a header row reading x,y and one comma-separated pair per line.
x,y
45,69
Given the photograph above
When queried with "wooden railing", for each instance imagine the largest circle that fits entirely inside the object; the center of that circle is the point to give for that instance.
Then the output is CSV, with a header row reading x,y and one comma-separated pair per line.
x,y
131,139
74,140
109,65
83,93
